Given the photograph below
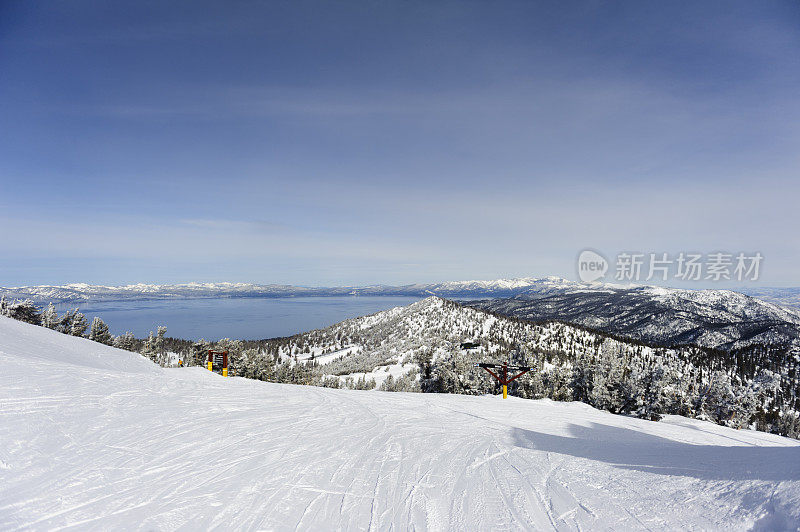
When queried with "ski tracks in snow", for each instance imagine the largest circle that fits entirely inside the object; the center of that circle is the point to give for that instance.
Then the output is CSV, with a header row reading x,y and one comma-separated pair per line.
x,y
188,449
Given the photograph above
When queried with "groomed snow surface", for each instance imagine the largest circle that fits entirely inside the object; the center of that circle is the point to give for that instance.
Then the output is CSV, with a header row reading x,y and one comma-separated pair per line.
x,y
96,438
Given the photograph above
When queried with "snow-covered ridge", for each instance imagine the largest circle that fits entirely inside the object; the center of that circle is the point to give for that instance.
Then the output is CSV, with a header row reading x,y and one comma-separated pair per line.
x,y
711,318
497,288
87,292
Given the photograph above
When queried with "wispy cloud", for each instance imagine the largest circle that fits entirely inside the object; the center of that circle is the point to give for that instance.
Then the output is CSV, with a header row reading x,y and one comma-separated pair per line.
x,y
254,226
422,141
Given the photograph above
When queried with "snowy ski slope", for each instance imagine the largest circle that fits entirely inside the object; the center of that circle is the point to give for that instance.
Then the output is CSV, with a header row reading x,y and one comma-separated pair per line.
x,y
96,438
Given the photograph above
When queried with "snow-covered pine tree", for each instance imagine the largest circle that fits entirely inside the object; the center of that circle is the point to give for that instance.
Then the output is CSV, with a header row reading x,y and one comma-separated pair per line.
x,y
424,359
65,323
24,311
388,385
533,382
718,399
161,345
255,364
750,399
787,424
607,391
154,348
149,347
648,386
99,332
79,324
362,383
3,306
50,317
125,341
199,352
556,382
581,378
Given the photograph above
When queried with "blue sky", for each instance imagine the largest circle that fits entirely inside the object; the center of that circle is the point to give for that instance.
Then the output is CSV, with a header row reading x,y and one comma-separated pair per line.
x,y
327,143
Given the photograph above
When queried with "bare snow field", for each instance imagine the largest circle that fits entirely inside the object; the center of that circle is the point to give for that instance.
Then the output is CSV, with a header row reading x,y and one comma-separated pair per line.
x,y
96,438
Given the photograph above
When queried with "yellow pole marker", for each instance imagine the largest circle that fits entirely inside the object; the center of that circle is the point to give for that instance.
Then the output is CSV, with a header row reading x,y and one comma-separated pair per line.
x,y
210,366
505,391
224,372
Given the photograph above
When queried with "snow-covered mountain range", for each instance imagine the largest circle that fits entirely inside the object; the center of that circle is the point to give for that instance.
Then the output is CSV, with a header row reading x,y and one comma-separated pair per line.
x,y
721,319
497,288
85,292
711,318
668,316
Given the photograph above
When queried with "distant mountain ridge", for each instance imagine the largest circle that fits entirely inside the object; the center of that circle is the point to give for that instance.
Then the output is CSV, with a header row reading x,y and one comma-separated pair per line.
x,y
720,319
498,288
85,292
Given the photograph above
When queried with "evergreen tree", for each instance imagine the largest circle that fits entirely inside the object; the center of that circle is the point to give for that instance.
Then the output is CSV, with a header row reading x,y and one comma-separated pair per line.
x,y
64,325
24,311
718,400
50,317
99,332
362,383
648,391
79,324
749,399
424,359
125,341
557,384
608,391
199,353
388,384
161,345
581,378
154,348
148,347
787,424
255,364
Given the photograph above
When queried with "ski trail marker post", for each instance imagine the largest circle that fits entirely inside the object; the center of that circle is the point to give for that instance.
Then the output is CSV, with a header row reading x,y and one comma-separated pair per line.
x,y
219,360
503,370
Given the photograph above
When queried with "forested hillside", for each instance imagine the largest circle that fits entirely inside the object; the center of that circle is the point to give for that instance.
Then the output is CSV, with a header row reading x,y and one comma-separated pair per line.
x,y
721,319
419,348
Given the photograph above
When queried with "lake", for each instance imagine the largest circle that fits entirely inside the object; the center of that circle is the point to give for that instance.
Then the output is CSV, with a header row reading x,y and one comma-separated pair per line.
x,y
245,318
